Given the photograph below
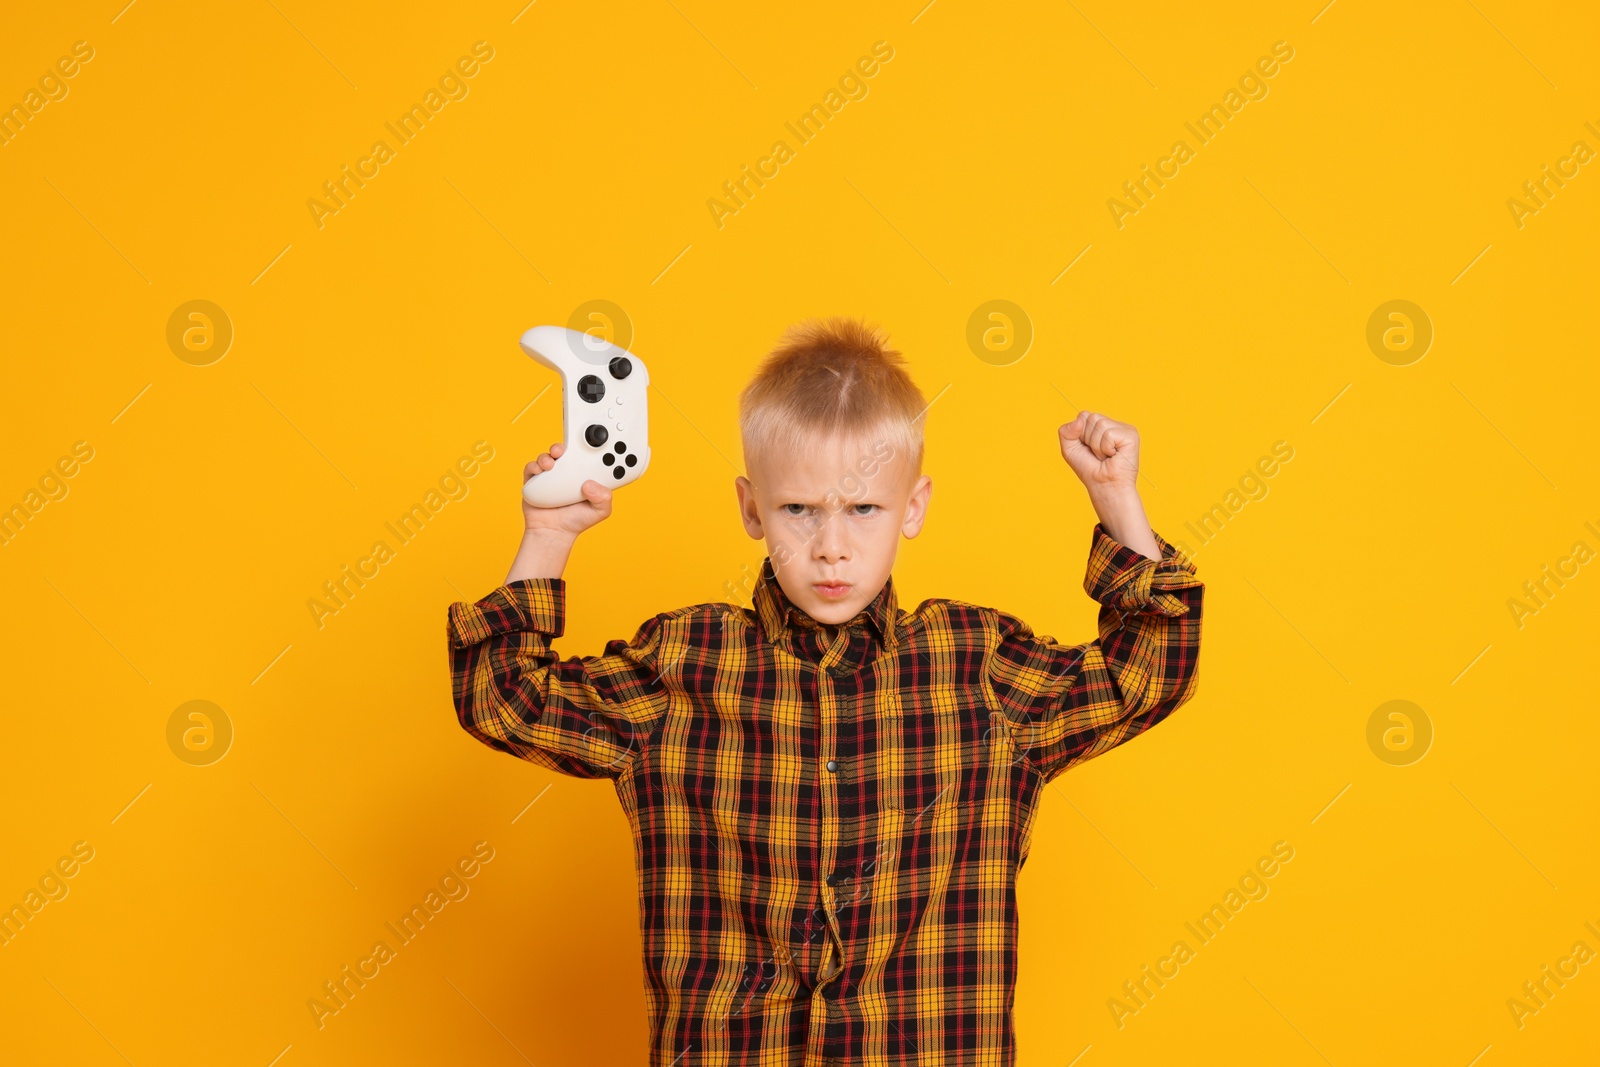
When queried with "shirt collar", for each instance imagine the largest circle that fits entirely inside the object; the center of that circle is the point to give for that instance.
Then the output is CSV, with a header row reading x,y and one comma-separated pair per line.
x,y
778,613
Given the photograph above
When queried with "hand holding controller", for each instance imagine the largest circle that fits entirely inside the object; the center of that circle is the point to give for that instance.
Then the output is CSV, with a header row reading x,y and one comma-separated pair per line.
x,y
605,415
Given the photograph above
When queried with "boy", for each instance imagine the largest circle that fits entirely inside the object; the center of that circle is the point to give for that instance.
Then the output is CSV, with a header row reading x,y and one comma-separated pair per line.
x,y
831,797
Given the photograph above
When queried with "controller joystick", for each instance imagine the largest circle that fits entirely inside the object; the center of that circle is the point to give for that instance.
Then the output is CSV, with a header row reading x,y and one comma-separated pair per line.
x,y
604,390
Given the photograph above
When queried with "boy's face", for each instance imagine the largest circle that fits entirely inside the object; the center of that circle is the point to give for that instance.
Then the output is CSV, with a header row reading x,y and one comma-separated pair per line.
x,y
832,517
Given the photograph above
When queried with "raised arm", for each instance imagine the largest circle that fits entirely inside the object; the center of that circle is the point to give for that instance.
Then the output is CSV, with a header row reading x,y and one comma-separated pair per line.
x,y
1068,703
587,716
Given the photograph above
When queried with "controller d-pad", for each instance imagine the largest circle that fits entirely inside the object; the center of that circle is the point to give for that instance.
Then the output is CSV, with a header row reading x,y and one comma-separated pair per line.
x,y
591,388
596,435
617,472
620,367
621,448
631,460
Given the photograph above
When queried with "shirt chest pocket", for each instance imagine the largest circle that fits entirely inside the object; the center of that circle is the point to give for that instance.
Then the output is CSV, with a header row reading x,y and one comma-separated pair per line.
x,y
929,764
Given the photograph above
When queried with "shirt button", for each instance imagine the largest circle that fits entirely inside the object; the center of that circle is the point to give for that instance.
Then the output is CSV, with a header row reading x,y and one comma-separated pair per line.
x,y
838,878
833,765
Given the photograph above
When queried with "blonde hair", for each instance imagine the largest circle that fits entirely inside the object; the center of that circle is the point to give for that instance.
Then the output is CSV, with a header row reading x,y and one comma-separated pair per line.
x,y
834,376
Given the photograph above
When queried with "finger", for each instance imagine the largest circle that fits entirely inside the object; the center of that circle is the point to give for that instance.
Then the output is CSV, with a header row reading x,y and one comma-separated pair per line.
x,y
1092,432
1107,437
558,448
1122,436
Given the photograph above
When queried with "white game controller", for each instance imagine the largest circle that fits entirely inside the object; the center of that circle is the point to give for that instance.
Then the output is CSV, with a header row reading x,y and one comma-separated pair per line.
x,y
605,414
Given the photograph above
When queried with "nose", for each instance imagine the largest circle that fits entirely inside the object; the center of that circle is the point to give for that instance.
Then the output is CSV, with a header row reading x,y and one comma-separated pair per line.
x,y
830,543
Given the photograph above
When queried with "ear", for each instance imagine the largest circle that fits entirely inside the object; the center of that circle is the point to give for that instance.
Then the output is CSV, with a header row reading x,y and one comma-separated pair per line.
x,y
749,510
917,507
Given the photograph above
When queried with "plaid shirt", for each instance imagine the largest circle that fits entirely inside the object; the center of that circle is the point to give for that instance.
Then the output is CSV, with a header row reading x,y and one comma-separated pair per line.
x,y
829,820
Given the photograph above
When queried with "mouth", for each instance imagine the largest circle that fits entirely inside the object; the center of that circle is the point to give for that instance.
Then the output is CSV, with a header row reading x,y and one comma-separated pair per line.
x,y
832,590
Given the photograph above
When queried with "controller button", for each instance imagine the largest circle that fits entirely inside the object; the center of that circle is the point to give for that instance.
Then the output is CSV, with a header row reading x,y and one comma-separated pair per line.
x,y
621,367
632,461
621,447
591,388
617,472
596,435
619,401
619,427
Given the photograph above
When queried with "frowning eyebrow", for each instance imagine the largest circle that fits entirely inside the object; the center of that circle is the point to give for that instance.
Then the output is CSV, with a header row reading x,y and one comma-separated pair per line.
x,y
844,499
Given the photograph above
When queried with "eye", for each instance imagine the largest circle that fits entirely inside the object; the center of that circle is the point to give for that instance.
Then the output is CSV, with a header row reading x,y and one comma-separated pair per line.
x,y
873,507
786,508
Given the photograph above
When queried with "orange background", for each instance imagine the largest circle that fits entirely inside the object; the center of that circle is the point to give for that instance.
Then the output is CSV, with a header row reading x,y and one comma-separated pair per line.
x,y
1230,313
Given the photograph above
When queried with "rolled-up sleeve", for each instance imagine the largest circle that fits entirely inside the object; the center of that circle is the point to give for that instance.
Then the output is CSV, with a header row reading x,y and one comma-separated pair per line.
x,y
1069,703
586,716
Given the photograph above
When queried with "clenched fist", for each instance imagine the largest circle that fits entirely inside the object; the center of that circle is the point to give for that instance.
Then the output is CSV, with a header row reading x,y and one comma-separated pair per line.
x,y
1102,452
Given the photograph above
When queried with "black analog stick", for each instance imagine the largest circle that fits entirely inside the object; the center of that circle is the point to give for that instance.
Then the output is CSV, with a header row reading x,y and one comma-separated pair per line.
x,y
621,367
596,435
591,388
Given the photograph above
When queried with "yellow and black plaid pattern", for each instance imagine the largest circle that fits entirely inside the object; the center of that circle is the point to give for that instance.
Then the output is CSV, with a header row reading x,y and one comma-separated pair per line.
x,y
829,820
